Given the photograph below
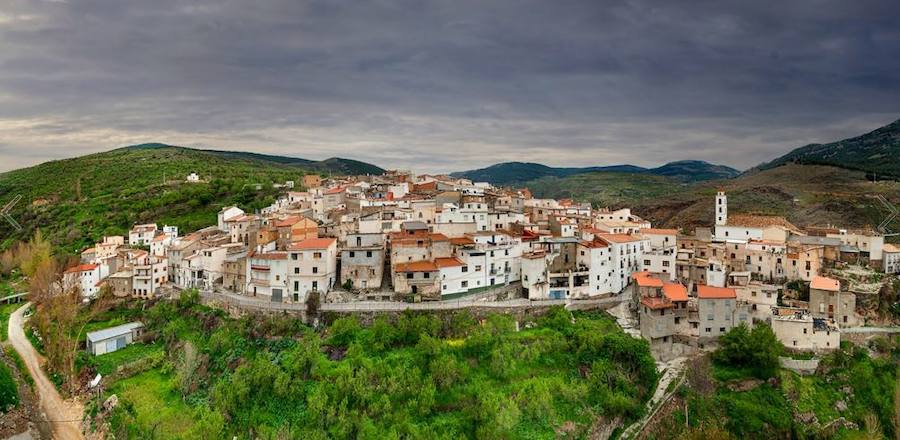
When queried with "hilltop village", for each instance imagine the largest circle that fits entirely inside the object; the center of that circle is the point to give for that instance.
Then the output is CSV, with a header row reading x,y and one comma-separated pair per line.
x,y
402,237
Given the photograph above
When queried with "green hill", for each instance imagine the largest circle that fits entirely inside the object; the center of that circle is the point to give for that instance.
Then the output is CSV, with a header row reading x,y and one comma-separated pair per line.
x,y
77,201
514,173
875,152
804,194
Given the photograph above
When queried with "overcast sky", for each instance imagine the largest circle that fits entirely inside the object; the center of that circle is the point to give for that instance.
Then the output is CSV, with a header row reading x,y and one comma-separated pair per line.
x,y
450,85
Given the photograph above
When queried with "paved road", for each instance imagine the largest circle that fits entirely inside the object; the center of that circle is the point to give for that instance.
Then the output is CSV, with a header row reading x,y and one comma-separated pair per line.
x,y
870,330
64,416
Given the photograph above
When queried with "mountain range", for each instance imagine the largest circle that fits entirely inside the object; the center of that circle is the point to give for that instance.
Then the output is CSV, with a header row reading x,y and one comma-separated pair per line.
x,y
334,165
509,173
877,152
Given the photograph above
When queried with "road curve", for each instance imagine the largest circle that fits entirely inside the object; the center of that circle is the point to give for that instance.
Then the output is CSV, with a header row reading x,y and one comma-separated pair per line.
x,y
64,416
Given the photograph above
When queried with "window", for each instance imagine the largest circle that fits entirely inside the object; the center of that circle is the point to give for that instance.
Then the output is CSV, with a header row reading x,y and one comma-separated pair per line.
x,y
464,284
315,269
477,268
369,254
409,275
708,330
465,269
297,270
296,286
293,256
315,285
427,275
804,331
721,329
352,254
317,255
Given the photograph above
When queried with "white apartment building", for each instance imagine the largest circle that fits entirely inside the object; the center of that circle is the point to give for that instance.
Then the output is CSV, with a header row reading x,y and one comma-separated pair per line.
x,y
312,266
660,251
150,272
142,235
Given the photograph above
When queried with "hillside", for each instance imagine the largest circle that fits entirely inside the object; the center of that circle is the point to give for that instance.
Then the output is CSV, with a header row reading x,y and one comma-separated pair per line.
x,y
512,173
805,194
877,151
334,165
77,201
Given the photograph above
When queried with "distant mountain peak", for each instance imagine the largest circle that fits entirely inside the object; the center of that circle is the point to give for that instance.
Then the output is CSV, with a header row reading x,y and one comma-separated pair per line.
x,y
508,173
874,152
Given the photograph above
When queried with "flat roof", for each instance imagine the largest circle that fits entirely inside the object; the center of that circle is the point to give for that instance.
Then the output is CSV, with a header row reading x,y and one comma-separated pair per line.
x,y
113,332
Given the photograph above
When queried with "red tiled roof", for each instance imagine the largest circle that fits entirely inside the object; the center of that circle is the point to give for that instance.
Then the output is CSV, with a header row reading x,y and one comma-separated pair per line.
x,y
644,279
337,190
312,243
436,236
675,292
656,303
81,268
289,221
618,238
270,256
759,221
653,231
461,241
448,262
416,266
710,292
823,283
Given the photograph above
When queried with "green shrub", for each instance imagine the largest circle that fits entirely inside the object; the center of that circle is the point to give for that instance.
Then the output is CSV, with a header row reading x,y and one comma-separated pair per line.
x,y
9,392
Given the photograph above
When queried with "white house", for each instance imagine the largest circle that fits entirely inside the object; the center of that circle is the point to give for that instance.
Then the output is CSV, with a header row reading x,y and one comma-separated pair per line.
x,y
193,178
142,235
86,277
312,267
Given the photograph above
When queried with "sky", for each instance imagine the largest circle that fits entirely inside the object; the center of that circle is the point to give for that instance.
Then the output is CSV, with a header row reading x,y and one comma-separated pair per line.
x,y
447,85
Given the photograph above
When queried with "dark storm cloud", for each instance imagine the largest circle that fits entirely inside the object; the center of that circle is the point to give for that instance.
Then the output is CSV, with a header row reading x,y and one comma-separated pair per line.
x,y
446,85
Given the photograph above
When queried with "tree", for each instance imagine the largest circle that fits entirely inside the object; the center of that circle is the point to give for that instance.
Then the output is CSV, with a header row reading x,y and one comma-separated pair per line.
x,y
756,350
60,314
187,367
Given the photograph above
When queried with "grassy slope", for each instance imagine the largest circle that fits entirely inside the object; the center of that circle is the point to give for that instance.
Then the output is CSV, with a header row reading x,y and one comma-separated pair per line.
x,y
805,194
606,188
391,380
125,186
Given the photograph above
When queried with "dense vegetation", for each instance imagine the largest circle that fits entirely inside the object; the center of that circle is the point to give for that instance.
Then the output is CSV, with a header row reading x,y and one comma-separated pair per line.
x,y
740,395
604,189
77,201
874,152
755,350
513,173
418,376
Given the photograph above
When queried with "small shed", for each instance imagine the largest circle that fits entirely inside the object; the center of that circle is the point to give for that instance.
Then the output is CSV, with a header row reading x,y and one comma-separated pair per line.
x,y
113,338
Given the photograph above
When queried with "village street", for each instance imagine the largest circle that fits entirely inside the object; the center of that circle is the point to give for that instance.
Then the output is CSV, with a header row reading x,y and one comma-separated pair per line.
x,y
64,415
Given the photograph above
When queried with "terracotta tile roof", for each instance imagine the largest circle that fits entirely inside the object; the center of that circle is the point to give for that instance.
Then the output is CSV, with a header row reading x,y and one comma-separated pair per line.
x,y
448,262
270,256
462,241
594,244
656,303
337,190
645,279
416,266
890,248
435,236
759,221
653,231
823,283
710,292
289,221
312,243
675,292
81,268
618,238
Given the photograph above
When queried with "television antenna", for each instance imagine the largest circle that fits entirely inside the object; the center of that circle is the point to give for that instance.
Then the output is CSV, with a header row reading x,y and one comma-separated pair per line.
x,y
7,208
893,212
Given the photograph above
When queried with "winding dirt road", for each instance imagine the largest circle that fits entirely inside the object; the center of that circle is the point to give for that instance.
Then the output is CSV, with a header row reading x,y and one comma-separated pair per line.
x,y
64,416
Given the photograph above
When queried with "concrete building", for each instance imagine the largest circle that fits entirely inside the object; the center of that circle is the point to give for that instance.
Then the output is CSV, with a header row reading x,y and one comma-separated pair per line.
x,y
362,260
826,300
716,308
312,267
891,255
660,251
799,331
150,273
114,338
142,235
